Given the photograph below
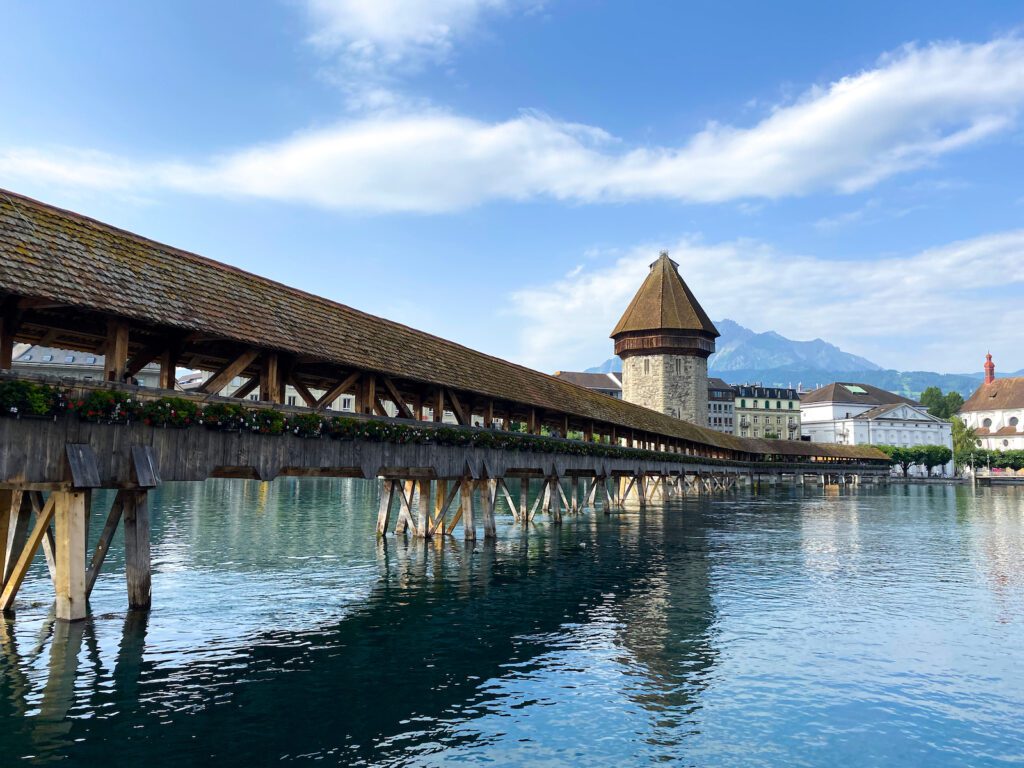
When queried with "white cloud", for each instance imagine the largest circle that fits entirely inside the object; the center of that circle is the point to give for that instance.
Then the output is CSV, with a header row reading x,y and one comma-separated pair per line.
x,y
395,30
374,41
940,308
914,107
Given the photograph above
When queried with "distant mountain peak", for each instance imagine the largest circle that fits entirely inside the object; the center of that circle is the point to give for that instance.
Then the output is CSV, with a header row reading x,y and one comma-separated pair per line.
x,y
745,356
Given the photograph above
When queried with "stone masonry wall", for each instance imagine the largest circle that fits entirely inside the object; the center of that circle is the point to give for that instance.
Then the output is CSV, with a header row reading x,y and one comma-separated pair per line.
x,y
676,385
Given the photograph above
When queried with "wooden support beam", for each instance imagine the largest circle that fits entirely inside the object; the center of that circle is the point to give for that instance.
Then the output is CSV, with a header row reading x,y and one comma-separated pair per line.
x,y
26,555
50,553
437,405
246,389
405,521
337,391
461,414
396,398
524,500
143,358
169,366
439,521
366,397
8,328
115,353
508,498
387,496
531,422
138,572
223,377
489,495
441,502
103,545
19,516
423,510
303,390
271,390
561,493
466,509
489,414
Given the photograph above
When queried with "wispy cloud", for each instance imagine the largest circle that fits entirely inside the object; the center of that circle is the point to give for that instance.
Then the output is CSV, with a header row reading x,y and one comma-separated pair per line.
x,y
372,43
927,305
915,106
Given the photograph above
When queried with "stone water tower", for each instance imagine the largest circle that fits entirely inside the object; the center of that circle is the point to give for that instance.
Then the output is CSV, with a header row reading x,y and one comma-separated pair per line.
x,y
664,339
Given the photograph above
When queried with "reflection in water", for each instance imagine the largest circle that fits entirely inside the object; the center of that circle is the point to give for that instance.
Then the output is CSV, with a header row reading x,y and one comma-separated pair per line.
x,y
751,630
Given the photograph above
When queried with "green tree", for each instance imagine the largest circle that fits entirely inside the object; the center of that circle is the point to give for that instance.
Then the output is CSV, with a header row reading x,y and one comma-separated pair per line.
x,y
904,458
935,456
942,406
964,443
954,402
933,399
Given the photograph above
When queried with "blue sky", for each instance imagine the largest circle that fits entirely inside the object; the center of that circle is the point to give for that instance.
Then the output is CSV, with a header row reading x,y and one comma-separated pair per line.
x,y
500,172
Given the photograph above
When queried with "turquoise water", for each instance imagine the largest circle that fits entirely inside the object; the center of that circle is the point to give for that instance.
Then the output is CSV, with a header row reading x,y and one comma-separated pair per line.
x,y
878,627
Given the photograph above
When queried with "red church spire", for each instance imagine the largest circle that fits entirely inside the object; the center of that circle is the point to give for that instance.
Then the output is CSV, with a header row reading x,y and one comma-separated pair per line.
x,y
990,369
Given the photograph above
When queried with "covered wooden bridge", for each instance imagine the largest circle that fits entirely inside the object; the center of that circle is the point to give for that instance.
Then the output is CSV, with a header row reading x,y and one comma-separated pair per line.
x,y
72,282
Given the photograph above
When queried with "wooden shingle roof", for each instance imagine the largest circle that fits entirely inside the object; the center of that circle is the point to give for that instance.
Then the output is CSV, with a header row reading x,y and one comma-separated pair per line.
x,y
665,302
62,257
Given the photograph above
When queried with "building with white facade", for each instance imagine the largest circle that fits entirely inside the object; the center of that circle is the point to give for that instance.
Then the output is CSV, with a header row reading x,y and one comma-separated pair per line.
x,y
859,414
996,411
721,406
69,364
192,381
606,383
772,412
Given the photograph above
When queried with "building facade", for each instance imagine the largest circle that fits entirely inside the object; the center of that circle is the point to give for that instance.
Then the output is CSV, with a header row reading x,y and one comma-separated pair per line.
x,y
996,411
721,406
664,339
606,383
772,412
192,381
68,364
859,414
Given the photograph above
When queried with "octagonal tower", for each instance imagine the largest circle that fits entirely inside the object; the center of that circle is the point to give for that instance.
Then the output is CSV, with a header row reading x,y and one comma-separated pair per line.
x,y
664,339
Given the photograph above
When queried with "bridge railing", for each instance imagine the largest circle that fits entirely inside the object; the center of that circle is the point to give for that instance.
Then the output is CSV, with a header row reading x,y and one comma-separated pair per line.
x,y
114,403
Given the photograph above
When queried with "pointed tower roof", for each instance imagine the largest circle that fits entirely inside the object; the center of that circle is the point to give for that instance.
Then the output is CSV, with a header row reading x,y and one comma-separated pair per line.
x,y
665,302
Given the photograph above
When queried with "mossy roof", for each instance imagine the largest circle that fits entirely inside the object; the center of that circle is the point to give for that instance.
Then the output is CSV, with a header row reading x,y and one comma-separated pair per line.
x,y
665,302
54,254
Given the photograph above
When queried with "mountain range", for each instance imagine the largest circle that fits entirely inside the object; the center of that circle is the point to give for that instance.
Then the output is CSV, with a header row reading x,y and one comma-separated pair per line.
x,y
744,356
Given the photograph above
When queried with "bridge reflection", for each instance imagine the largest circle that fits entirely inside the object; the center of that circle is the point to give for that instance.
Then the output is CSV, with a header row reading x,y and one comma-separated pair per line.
x,y
415,655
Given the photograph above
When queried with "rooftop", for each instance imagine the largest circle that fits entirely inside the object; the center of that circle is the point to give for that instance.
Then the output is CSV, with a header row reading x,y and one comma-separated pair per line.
x,y
850,393
665,302
1000,395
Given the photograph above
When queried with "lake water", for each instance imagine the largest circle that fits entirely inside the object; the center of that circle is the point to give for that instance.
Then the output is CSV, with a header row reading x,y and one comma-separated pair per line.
x,y
875,627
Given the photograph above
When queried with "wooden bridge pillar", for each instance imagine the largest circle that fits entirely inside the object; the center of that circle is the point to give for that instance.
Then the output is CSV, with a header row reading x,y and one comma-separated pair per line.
x,y
70,534
468,523
138,573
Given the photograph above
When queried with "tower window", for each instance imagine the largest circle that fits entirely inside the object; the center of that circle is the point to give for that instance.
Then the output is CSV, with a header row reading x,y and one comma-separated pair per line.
x,y
647,366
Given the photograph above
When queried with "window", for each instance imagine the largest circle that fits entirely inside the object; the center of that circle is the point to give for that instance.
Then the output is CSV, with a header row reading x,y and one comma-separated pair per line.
x,y
69,359
254,397
1006,442
778,405
1014,421
743,403
91,360
647,366
986,423
757,419
47,358
778,419
791,405
291,399
25,357
755,403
